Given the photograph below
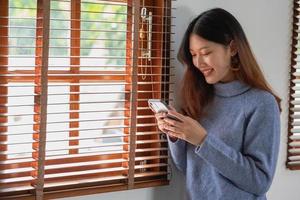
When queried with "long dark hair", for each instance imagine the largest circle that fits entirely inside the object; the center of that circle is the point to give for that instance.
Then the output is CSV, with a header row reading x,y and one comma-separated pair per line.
x,y
219,26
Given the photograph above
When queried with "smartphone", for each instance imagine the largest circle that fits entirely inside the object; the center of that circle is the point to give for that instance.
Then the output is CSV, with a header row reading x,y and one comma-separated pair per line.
x,y
158,105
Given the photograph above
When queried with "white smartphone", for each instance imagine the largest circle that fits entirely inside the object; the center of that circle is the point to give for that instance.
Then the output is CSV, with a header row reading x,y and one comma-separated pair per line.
x,y
158,105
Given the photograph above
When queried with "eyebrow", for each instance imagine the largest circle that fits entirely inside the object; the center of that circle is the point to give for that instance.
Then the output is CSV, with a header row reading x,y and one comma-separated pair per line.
x,y
200,48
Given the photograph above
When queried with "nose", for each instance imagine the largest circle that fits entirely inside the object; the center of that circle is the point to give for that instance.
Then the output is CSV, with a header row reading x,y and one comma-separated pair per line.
x,y
198,61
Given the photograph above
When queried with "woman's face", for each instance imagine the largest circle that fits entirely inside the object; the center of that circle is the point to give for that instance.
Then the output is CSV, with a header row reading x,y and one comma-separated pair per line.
x,y
212,59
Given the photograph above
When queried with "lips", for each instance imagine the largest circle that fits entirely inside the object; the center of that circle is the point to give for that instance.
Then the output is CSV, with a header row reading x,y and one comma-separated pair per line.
x,y
206,71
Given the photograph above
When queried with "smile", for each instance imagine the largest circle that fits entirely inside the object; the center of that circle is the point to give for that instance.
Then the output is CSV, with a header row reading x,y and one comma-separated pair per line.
x,y
206,72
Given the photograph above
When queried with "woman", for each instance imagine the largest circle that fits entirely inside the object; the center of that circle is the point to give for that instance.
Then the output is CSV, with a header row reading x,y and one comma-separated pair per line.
x,y
227,139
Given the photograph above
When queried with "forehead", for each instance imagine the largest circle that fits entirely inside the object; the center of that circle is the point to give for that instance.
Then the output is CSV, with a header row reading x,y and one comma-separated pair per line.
x,y
197,43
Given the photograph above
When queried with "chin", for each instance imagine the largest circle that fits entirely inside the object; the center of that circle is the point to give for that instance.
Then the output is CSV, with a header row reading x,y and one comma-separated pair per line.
x,y
211,80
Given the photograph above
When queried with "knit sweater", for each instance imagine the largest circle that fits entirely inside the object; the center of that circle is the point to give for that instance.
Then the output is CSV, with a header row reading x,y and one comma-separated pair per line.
x,y
237,159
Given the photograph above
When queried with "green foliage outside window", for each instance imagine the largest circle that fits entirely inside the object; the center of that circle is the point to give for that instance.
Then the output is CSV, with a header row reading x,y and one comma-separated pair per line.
x,y
100,28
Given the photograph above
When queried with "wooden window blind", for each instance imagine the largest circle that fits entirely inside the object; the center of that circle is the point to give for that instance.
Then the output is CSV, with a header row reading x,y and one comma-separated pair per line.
x,y
75,79
293,158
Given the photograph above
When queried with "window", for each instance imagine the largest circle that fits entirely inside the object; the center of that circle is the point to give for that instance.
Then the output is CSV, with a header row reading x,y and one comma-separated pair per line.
x,y
75,79
293,160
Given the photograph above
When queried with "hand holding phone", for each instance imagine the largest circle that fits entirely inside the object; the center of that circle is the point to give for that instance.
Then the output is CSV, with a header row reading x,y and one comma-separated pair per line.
x,y
158,106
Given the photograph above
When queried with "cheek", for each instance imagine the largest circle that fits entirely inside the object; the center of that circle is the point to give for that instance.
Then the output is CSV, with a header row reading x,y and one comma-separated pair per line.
x,y
212,61
209,60
221,63
227,60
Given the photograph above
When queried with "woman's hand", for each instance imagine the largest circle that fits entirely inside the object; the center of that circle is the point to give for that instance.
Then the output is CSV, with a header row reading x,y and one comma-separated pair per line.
x,y
161,123
188,129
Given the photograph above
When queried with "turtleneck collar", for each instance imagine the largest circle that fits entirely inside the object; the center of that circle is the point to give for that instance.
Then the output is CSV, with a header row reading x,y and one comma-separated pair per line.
x,y
230,89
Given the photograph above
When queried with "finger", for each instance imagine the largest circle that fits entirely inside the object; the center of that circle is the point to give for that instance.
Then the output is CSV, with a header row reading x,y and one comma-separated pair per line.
x,y
160,115
172,134
161,128
173,122
174,130
170,128
161,123
176,114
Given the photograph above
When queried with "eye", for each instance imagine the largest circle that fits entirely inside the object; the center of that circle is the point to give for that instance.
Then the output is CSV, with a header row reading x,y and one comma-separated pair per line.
x,y
206,53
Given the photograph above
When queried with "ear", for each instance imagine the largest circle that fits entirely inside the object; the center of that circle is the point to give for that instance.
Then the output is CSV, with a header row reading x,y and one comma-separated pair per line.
x,y
233,48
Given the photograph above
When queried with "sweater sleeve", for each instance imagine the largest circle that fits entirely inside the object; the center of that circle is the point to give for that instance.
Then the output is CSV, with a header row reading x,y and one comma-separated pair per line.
x,y
178,153
253,168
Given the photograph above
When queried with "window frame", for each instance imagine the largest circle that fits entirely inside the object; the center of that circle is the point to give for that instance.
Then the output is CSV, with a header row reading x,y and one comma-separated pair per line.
x,y
292,116
162,79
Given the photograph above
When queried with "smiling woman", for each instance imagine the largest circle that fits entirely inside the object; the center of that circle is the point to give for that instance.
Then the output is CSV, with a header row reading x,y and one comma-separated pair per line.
x,y
226,142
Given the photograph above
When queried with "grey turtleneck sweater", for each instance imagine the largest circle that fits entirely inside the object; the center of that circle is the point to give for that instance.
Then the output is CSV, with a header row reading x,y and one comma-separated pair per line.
x,y
237,159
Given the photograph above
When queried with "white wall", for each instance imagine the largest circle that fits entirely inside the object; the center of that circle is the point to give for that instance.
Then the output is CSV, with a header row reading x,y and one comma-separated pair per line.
x,y
268,27
267,24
